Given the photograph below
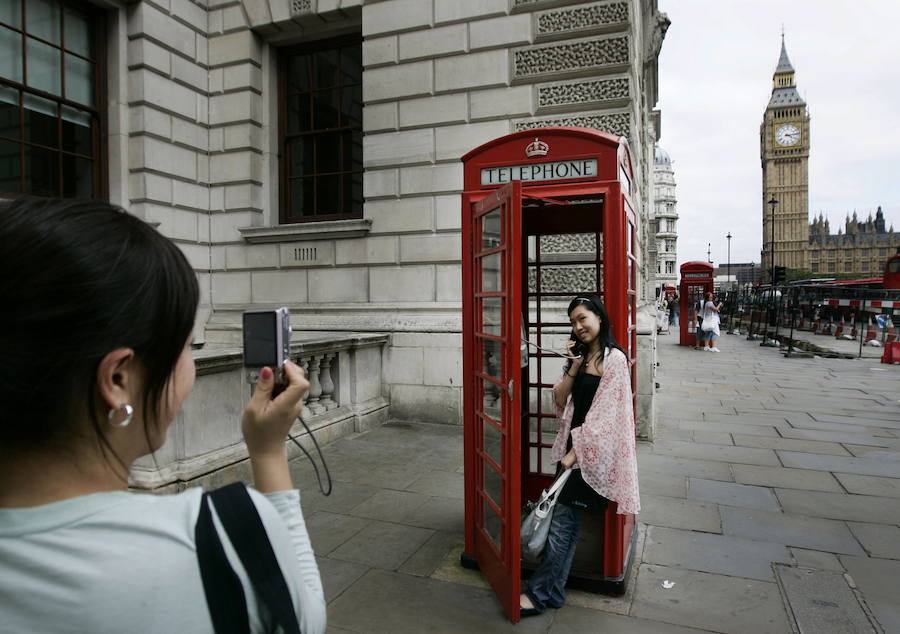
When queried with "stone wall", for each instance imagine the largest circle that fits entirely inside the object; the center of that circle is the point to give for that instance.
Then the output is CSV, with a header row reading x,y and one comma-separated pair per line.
x,y
199,92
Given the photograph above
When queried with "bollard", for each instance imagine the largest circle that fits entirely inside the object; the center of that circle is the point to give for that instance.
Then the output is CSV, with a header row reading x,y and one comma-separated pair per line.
x,y
870,331
840,329
891,353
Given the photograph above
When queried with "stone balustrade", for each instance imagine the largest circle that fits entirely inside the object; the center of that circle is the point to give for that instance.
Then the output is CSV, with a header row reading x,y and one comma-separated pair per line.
x,y
205,443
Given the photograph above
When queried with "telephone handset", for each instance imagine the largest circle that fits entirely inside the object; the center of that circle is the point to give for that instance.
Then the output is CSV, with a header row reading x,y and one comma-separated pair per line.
x,y
580,348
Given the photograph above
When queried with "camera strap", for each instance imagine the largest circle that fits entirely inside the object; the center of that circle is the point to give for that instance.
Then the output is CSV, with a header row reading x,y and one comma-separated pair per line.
x,y
313,462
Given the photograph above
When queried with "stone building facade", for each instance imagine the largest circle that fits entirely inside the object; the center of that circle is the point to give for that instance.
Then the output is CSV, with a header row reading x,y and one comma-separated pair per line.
x,y
306,153
859,249
664,220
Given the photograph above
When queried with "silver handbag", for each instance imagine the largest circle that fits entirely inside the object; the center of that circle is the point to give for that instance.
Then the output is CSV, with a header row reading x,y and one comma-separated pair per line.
x,y
536,524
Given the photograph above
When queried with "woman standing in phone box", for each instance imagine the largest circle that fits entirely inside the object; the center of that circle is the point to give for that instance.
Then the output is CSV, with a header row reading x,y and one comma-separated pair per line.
x,y
596,438
96,341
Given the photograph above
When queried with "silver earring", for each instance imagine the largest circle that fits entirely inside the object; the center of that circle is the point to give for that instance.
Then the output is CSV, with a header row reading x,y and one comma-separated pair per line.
x,y
129,412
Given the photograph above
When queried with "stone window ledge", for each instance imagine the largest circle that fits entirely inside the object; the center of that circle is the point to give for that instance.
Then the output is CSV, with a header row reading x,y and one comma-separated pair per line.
x,y
327,230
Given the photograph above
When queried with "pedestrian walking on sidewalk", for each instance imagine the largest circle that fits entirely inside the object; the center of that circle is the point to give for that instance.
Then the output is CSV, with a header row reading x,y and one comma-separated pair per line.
x,y
596,439
709,325
97,360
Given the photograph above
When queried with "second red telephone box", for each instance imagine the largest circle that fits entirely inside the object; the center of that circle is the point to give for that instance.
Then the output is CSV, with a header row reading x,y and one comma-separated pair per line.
x,y
696,282
547,215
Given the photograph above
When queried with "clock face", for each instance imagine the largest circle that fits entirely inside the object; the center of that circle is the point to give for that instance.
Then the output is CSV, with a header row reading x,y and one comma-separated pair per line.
x,y
787,135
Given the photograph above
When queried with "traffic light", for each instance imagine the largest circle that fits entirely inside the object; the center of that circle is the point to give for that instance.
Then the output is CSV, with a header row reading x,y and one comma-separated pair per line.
x,y
780,274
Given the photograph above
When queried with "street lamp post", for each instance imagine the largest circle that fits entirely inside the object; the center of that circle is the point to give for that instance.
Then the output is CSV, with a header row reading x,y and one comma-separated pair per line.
x,y
730,291
728,237
772,203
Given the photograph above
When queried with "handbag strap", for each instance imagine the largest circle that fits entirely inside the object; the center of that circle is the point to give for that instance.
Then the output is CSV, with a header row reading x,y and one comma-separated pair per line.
x,y
248,535
222,587
561,480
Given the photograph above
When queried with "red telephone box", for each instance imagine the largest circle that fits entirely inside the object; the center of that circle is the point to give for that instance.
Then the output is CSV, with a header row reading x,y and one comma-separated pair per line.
x,y
696,282
547,215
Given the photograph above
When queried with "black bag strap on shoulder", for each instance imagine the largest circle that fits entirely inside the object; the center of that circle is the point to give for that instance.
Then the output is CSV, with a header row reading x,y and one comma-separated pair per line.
x,y
224,593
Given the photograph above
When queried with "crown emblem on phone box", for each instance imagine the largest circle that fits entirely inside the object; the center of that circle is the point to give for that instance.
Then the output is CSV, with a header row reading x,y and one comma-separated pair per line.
x,y
536,148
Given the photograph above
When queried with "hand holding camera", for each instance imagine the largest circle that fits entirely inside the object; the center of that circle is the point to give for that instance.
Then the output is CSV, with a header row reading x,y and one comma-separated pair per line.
x,y
267,419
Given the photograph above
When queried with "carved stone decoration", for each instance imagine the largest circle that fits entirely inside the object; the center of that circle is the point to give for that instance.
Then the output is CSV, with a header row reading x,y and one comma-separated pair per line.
x,y
570,57
564,279
579,18
569,243
618,123
654,42
580,93
301,6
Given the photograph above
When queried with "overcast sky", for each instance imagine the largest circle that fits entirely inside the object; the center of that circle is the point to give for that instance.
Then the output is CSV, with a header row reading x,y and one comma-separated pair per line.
x,y
715,75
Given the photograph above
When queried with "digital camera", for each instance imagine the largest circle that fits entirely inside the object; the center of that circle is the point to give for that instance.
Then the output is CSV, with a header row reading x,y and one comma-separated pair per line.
x,y
267,342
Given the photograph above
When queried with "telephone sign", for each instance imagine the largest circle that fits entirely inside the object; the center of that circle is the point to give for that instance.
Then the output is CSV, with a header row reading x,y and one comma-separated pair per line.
x,y
532,172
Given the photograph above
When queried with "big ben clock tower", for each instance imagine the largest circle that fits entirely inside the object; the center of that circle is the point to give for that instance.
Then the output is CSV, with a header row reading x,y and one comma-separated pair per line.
x,y
784,152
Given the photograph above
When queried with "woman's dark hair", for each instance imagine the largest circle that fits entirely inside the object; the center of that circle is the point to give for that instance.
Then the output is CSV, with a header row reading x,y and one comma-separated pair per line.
x,y
607,338
79,279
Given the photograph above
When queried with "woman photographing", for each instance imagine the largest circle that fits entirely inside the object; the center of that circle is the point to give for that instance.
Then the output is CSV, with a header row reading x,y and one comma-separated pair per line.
x,y
96,341
596,439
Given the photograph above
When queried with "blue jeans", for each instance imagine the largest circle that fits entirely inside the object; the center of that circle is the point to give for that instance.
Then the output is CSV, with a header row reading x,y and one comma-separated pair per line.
x,y
547,586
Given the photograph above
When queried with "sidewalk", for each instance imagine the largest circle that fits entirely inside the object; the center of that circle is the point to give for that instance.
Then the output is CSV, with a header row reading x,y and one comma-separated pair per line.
x,y
770,500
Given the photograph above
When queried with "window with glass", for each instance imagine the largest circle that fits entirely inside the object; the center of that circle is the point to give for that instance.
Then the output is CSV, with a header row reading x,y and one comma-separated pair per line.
x,y
815,267
50,117
831,267
321,131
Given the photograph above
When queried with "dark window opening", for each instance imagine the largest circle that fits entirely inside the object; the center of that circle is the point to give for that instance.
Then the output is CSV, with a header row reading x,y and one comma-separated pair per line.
x,y
321,131
51,62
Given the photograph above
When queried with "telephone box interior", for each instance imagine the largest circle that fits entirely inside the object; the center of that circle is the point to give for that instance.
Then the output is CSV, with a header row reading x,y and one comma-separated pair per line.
x,y
530,245
696,282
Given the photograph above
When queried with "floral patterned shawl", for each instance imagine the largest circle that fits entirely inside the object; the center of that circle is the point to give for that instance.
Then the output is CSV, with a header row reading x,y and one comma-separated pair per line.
x,y
604,444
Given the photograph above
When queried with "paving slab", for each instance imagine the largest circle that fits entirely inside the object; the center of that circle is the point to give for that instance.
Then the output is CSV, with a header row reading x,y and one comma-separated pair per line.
x,y
870,485
382,545
713,437
684,466
344,497
731,494
821,601
440,483
679,513
790,530
877,580
879,540
786,478
866,508
839,437
842,464
736,427
432,553
329,530
791,444
662,483
383,602
707,552
718,603
338,575
574,620
748,420
849,425
390,506
864,451
722,453
816,559
445,514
